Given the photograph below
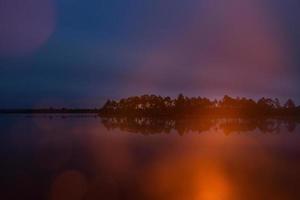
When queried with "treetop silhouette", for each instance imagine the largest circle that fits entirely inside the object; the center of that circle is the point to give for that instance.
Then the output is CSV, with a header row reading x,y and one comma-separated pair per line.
x,y
153,105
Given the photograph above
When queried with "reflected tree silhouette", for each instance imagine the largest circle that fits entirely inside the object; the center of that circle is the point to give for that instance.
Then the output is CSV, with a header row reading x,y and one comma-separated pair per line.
x,y
150,126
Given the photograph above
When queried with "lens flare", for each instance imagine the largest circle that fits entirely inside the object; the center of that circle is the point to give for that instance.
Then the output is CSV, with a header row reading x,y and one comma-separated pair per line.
x,y
25,25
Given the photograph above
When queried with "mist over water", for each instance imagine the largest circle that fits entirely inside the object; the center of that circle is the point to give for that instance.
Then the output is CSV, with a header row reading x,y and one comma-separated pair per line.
x,y
86,157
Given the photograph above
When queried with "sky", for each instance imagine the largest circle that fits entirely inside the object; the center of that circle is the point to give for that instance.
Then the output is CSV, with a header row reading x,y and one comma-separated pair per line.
x,y
78,53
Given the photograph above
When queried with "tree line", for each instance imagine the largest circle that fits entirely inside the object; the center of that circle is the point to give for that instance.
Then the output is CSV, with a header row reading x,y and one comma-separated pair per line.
x,y
153,105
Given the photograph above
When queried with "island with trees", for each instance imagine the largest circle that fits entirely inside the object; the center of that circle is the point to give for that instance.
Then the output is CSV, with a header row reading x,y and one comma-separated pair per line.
x,y
182,106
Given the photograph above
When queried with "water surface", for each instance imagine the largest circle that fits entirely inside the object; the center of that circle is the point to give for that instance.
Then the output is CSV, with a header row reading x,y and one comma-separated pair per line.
x,y
85,158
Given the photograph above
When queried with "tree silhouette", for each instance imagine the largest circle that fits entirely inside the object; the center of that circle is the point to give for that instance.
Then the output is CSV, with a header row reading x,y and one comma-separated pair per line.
x,y
153,105
289,104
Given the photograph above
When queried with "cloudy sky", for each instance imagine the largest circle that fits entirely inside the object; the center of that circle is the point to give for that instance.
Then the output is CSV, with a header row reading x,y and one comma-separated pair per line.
x,y
80,52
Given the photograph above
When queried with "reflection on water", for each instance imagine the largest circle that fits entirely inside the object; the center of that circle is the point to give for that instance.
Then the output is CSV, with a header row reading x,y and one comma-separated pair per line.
x,y
87,158
148,126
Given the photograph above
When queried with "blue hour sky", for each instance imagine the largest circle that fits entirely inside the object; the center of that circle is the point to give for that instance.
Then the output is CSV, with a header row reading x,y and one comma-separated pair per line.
x,y
77,53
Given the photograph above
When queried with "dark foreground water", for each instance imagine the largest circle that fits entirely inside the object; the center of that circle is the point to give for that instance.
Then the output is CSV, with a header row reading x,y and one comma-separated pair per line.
x,y
89,158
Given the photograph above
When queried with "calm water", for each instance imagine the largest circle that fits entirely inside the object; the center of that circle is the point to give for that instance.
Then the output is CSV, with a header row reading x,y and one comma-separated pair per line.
x,y
87,158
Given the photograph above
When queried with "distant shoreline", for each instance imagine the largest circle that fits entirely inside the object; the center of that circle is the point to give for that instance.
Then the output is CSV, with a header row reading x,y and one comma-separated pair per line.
x,y
181,107
50,111
100,113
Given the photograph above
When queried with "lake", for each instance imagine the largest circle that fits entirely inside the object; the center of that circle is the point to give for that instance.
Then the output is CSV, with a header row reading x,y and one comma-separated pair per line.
x,y
85,157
